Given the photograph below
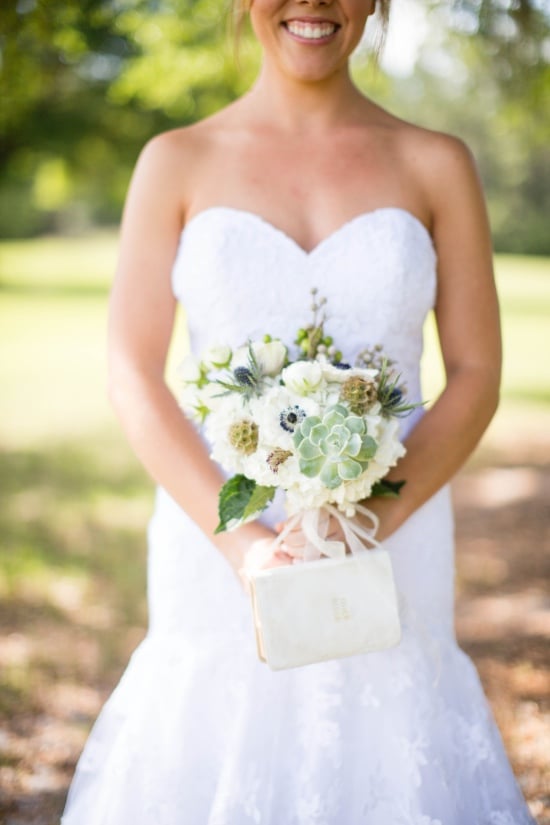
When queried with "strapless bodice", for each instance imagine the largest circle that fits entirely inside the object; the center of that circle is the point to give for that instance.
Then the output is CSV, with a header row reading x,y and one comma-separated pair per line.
x,y
240,277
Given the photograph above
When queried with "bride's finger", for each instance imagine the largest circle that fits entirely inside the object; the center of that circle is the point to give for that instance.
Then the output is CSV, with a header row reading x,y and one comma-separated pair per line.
x,y
278,559
295,538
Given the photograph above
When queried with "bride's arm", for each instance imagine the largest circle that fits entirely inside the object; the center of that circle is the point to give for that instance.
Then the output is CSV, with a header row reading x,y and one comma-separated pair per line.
x,y
468,326
141,317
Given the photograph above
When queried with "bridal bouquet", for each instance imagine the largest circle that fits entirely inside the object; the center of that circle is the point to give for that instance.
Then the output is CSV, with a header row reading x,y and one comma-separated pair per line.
x,y
297,417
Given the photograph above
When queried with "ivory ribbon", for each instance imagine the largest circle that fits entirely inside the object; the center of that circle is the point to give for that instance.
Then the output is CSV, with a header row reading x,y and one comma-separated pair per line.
x,y
314,523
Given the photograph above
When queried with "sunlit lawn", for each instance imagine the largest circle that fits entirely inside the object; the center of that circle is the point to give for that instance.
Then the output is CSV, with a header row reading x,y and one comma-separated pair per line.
x,y
53,296
74,501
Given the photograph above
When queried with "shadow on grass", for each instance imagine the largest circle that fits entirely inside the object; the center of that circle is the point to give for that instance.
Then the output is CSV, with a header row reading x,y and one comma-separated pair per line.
x,y
72,522
73,604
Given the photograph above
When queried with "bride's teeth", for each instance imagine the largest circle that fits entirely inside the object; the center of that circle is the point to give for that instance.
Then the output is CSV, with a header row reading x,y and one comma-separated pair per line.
x,y
311,31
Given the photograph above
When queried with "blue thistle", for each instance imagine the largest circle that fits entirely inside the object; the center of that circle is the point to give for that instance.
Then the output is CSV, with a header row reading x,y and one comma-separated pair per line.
x,y
244,376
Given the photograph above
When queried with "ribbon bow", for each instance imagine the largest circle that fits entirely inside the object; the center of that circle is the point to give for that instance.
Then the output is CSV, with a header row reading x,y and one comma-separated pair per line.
x,y
313,523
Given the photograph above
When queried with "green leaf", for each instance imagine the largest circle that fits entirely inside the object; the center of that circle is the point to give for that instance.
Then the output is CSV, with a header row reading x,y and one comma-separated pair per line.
x,y
259,500
241,499
387,489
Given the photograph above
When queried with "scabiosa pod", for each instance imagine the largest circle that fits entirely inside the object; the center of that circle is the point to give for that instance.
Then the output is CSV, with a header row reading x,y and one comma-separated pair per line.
x,y
336,447
243,435
360,394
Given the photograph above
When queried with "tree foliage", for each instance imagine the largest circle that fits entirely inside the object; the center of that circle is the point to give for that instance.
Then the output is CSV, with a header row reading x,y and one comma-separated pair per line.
x,y
84,83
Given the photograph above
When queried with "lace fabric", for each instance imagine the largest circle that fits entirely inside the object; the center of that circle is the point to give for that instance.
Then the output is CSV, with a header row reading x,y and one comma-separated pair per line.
x,y
198,731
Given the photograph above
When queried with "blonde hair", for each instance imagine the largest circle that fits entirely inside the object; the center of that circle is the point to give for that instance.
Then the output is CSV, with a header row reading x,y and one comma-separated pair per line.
x,y
240,8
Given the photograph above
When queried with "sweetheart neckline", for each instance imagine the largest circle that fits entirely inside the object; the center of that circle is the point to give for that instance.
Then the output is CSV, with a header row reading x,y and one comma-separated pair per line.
x,y
368,214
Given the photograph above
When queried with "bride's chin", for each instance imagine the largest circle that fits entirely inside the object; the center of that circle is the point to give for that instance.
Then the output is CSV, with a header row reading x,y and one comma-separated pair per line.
x,y
311,71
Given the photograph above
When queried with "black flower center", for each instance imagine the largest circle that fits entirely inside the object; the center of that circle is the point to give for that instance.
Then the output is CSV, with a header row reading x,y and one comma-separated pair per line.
x,y
290,417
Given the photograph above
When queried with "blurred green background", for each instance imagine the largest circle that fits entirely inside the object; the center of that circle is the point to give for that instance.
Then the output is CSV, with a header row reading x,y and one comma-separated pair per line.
x,y
83,85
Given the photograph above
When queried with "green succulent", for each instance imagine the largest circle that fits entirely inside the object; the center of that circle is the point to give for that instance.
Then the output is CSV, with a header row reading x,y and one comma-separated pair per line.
x,y
335,447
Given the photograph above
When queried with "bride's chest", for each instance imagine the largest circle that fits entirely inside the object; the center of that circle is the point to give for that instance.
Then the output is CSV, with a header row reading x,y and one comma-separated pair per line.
x,y
238,277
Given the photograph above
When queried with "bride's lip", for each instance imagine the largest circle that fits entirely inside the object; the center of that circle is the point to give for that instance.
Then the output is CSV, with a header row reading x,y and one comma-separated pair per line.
x,y
311,21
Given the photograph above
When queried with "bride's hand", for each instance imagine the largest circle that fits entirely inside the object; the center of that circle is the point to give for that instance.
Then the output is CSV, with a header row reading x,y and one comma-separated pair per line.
x,y
261,555
295,540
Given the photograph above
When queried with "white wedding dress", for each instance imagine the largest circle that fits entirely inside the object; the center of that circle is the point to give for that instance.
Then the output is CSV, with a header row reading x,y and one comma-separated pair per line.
x,y
199,731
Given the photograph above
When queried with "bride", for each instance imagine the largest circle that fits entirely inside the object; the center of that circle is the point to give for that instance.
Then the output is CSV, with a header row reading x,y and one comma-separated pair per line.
x,y
303,182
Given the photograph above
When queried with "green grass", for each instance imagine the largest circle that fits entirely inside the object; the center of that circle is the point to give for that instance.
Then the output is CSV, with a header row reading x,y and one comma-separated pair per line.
x,y
53,299
53,322
523,285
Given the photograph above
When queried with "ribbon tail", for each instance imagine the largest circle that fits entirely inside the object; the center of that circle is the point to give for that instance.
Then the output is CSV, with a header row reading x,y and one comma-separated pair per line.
x,y
356,536
316,545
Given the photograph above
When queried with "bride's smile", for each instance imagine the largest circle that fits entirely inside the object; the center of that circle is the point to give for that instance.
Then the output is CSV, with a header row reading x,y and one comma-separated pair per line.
x,y
311,30
309,39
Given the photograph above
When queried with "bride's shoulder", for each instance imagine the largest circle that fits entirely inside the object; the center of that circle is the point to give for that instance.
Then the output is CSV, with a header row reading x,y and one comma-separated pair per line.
x,y
438,163
440,159
194,140
429,146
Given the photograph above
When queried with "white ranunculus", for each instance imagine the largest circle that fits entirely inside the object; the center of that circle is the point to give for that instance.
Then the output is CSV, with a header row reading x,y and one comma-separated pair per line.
x,y
217,356
190,369
303,377
270,356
